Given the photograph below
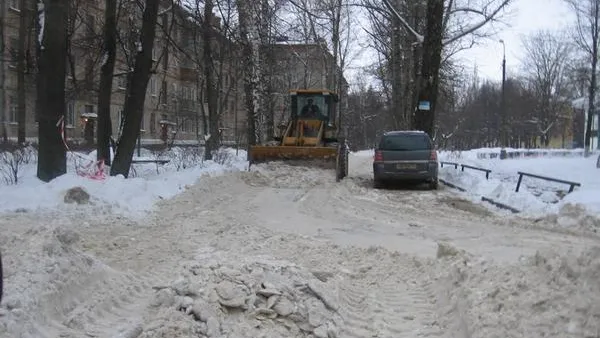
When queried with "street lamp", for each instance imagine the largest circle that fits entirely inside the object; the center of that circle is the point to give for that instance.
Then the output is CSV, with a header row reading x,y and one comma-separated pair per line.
x,y
503,133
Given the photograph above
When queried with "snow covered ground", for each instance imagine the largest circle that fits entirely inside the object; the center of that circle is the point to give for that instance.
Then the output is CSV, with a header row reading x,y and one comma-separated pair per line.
x,y
536,197
285,251
133,197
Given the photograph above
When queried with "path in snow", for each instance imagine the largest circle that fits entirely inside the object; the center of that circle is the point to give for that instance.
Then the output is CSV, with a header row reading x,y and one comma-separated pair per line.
x,y
337,259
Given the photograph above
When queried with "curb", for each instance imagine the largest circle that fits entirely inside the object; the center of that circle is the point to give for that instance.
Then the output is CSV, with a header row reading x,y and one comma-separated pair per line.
x,y
452,185
500,205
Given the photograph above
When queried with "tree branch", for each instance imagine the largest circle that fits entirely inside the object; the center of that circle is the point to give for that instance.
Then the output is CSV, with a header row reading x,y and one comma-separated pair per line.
x,y
420,38
475,27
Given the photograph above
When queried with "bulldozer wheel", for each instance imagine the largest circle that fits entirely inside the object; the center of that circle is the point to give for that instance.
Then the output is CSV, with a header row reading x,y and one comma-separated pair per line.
x,y
341,167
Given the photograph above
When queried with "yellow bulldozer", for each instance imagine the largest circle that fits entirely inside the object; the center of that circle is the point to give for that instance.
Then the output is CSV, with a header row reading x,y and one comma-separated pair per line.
x,y
311,137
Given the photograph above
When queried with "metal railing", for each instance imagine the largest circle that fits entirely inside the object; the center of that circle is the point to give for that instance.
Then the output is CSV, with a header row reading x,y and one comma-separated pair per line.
x,y
571,184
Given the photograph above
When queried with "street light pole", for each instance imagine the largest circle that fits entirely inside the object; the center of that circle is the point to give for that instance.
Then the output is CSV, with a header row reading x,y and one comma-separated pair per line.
x,y
503,131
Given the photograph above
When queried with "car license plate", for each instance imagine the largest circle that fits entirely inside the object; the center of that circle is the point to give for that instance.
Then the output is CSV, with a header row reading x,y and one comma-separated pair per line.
x,y
405,166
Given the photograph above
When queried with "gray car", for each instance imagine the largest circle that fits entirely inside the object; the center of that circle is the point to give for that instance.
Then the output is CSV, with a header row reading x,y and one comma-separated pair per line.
x,y
405,156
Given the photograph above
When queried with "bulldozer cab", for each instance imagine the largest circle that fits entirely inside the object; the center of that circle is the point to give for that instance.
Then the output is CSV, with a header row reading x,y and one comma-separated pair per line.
x,y
313,105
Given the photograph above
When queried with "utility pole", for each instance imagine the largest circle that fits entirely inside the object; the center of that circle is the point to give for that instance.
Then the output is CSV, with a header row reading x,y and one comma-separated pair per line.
x,y
2,73
503,129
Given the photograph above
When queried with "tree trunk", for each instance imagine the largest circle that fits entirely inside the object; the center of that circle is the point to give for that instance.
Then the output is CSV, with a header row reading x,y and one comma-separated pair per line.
x,y
396,70
248,61
52,159
430,68
136,92
265,67
593,82
21,107
104,128
211,93
2,74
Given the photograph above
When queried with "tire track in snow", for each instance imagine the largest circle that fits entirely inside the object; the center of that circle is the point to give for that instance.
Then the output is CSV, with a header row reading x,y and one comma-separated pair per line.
x,y
113,304
388,308
356,311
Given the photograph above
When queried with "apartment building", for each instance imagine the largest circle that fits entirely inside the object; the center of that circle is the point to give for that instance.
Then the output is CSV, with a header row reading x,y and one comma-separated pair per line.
x,y
176,102
580,111
8,78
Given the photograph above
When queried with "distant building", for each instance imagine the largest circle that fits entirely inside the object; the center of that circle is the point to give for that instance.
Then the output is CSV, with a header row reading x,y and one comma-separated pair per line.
x,y
580,107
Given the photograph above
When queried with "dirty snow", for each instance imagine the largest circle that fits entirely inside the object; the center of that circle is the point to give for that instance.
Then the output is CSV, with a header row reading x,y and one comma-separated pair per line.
x,y
285,251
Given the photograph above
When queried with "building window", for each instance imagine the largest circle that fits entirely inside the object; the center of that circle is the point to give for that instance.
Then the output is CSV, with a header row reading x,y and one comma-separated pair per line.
x,y
70,118
165,59
89,74
13,50
88,111
153,86
90,25
163,92
12,109
155,53
152,123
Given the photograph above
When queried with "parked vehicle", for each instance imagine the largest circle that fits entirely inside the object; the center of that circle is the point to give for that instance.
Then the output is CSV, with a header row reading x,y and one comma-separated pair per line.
x,y
405,156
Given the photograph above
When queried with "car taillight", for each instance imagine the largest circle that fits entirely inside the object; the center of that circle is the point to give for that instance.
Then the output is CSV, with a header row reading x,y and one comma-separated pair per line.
x,y
433,155
378,156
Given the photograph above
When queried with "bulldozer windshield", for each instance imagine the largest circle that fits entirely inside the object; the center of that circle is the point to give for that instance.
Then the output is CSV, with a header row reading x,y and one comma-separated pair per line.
x,y
312,107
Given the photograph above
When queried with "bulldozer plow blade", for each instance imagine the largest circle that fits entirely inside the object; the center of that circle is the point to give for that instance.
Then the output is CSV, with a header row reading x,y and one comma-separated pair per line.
x,y
309,156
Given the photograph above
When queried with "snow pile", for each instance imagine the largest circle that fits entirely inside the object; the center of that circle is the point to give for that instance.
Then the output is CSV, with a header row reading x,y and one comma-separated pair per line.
x,y
47,281
132,197
284,175
535,197
574,216
546,295
223,296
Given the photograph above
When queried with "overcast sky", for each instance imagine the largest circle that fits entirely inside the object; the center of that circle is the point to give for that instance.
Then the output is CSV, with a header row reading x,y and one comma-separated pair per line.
x,y
526,17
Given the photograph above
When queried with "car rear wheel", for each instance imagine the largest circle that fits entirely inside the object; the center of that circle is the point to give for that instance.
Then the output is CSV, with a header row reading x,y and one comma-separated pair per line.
x,y
377,183
433,185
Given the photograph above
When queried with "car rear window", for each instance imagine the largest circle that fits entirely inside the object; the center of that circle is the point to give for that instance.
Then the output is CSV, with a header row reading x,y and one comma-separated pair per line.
x,y
405,142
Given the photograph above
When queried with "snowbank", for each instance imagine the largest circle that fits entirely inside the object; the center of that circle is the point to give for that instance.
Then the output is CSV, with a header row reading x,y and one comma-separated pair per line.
x,y
535,197
133,197
544,295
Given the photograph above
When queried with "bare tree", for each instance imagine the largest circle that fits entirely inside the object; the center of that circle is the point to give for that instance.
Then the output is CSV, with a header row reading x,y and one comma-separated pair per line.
x,y
106,80
52,160
2,74
438,16
249,60
212,142
587,37
21,109
136,91
545,63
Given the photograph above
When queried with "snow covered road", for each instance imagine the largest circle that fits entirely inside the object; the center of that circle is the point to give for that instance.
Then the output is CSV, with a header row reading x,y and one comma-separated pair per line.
x,y
286,252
